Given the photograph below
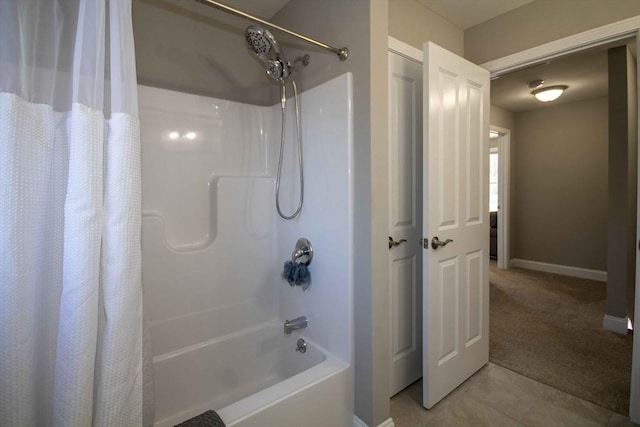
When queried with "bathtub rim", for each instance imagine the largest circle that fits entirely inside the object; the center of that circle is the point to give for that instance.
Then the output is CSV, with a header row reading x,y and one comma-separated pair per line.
x,y
270,396
250,405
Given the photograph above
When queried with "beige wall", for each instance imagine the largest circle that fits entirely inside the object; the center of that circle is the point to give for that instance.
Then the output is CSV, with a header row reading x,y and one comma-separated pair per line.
x,y
540,22
189,47
381,325
362,27
502,118
560,168
622,182
414,24
632,212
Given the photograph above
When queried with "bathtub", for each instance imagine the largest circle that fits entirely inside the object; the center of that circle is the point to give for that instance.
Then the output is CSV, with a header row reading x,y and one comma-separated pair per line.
x,y
254,377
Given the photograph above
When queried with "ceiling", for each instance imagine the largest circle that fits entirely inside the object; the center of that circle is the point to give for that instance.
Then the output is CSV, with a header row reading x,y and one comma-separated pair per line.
x,y
586,74
462,13
467,13
264,9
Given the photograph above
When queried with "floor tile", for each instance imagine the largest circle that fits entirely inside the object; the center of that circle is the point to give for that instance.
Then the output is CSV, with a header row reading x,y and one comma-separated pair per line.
x,y
558,399
496,396
458,410
504,391
467,411
554,416
618,420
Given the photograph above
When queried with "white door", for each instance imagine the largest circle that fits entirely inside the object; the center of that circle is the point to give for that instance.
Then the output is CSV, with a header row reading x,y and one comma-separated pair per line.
x,y
456,210
405,219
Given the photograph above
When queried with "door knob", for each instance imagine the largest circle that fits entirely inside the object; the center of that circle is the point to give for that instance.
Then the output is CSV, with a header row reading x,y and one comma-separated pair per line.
x,y
436,243
393,243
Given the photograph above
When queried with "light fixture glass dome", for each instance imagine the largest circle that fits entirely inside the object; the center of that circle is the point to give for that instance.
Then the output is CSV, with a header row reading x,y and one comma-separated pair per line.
x,y
548,94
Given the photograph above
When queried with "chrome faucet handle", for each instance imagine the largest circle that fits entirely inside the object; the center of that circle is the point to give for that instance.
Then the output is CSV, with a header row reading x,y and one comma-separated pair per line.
x,y
303,253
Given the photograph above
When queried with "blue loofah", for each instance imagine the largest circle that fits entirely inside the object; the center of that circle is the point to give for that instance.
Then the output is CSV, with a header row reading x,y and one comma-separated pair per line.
x,y
297,274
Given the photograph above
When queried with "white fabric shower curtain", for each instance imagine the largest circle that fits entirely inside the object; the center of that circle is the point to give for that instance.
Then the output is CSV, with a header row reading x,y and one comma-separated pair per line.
x,y
70,285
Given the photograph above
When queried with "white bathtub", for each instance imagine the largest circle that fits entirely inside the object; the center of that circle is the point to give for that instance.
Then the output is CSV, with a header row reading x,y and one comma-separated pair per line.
x,y
252,378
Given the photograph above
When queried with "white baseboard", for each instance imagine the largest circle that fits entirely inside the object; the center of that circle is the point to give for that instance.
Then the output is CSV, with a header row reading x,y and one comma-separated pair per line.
x,y
565,270
388,423
357,422
619,325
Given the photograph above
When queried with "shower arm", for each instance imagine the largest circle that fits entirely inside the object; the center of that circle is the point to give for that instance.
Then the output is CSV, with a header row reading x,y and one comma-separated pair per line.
x,y
342,53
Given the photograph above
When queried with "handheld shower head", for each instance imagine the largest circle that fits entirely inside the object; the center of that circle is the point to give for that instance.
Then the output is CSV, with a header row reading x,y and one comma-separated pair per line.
x,y
265,46
261,41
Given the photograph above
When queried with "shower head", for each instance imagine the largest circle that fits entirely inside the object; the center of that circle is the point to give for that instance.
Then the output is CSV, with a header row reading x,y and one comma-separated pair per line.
x,y
261,41
265,46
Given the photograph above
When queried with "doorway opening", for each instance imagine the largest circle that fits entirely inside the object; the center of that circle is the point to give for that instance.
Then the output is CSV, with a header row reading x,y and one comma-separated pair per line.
x,y
562,169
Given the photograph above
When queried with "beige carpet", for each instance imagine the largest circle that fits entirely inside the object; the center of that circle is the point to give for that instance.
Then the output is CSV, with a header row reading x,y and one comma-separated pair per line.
x,y
549,327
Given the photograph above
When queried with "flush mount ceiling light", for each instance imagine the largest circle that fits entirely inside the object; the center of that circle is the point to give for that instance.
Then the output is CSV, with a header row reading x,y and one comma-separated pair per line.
x,y
549,93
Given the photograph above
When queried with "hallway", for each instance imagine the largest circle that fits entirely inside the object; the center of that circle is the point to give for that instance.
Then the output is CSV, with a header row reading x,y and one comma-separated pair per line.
x,y
548,327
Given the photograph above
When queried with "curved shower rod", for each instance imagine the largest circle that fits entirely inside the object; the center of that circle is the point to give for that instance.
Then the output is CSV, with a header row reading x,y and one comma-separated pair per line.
x,y
343,53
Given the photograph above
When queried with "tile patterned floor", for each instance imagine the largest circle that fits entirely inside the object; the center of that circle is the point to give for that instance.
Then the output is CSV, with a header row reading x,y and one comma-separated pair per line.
x,y
498,397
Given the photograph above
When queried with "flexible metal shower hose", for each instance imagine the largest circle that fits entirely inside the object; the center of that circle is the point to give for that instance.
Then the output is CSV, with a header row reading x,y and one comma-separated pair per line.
x,y
283,103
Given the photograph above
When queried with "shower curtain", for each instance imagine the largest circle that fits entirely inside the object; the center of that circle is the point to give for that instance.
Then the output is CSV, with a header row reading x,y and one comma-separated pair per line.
x,y
70,285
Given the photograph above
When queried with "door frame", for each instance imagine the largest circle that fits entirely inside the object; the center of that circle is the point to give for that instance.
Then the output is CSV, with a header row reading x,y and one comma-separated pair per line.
x,y
599,36
403,49
504,176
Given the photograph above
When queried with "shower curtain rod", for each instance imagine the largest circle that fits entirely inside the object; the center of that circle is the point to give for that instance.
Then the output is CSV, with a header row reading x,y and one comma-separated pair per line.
x,y
342,53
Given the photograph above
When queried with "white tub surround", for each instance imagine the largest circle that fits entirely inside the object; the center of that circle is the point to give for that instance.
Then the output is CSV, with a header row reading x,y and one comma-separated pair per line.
x,y
214,248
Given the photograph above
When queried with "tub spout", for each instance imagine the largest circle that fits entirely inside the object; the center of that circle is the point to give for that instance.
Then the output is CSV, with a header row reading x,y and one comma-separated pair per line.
x,y
297,323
